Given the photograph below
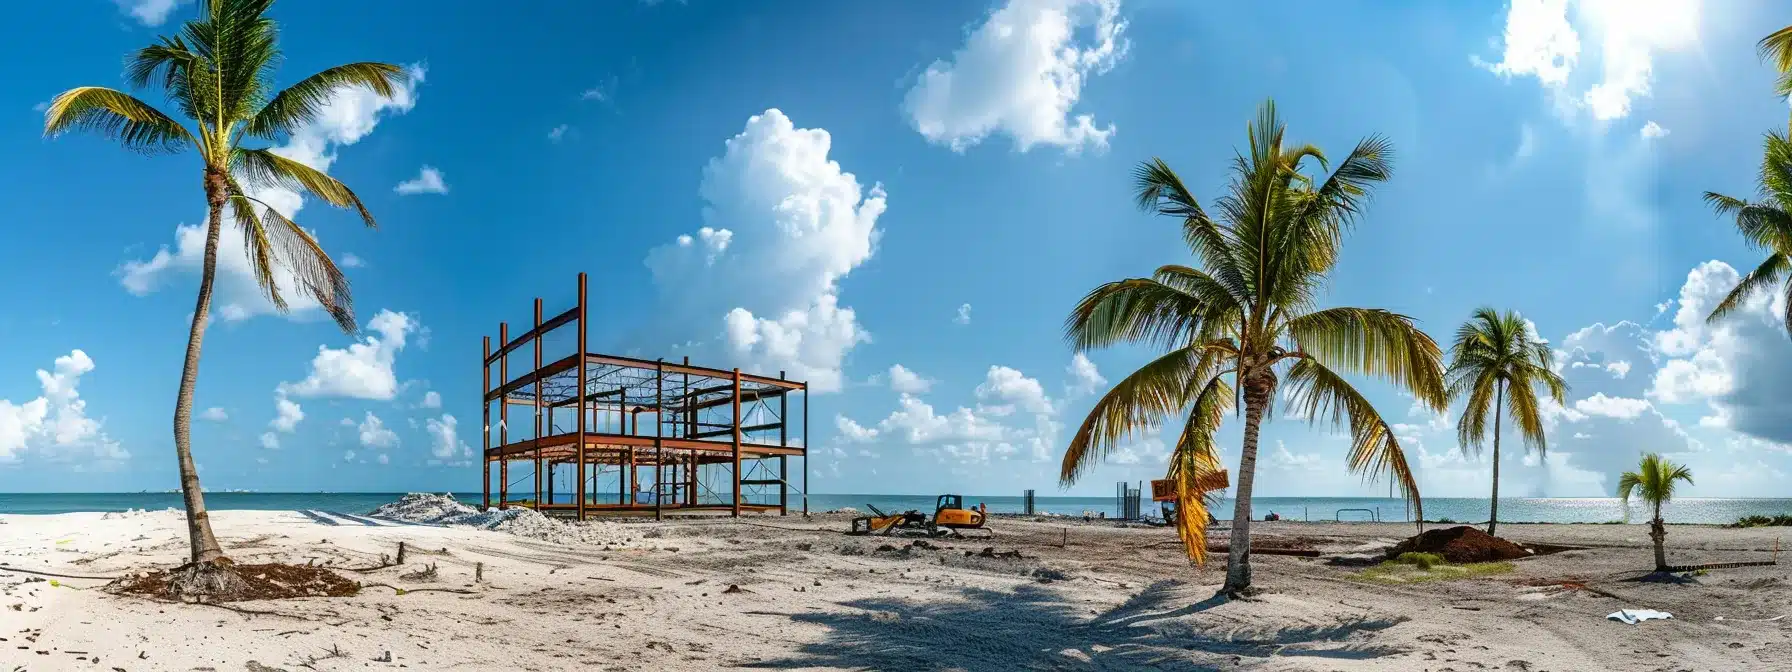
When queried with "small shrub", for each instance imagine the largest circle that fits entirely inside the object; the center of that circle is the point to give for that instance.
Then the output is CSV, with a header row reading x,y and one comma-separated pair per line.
x,y
1777,520
1420,560
1444,521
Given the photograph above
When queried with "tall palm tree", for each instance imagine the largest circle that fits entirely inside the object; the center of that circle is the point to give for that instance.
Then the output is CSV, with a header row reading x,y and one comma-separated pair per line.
x,y
1766,225
1776,48
1245,323
1654,480
1495,365
218,72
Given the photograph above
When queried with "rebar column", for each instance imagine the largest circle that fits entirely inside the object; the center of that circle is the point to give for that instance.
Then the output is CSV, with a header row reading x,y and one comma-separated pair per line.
x,y
580,431
538,460
503,416
783,441
659,430
805,450
485,388
736,435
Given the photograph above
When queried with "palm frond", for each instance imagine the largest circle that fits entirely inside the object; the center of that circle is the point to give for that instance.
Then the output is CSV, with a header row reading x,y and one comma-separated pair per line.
x,y
1776,49
314,273
1194,460
300,103
1653,480
117,115
1322,395
264,168
1138,402
1161,190
258,244
1771,272
1136,310
1377,343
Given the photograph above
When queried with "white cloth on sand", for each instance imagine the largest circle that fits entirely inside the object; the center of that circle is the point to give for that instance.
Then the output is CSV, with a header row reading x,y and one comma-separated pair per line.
x,y
1634,616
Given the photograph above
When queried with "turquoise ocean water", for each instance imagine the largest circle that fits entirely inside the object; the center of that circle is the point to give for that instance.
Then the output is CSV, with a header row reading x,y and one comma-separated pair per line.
x,y
1541,510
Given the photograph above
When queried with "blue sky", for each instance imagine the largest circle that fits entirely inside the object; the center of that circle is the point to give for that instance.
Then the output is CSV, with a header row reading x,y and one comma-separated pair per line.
x,y
896,162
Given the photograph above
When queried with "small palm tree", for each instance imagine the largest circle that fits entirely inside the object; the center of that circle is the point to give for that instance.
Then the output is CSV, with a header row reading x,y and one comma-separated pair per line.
x,y
1654,480
218,72
1494,365
1245,323
1766,225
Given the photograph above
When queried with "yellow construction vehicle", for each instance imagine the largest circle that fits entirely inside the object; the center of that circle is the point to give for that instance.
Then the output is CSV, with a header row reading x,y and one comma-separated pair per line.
x,y
883,523
950,514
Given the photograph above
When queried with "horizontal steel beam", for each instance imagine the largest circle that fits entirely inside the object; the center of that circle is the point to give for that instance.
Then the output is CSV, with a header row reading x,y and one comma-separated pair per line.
x,y
550,325
744,429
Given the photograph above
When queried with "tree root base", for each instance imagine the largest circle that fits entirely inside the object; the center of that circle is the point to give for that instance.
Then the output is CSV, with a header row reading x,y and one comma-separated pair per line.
x,y
223,581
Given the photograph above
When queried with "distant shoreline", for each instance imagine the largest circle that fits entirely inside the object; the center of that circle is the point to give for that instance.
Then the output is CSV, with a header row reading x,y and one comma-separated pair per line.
x,y
1558,510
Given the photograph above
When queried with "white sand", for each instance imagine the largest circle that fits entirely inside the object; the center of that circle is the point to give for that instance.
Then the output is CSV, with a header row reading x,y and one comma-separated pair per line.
x,y
651,596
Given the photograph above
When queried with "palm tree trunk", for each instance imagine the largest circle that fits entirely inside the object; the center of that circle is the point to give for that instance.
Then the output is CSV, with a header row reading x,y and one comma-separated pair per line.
x,y
204,544
1259,386
1493,504
1658,533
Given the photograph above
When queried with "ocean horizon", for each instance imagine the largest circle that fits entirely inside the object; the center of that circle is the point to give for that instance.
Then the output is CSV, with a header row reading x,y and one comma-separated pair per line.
x,y
1457,509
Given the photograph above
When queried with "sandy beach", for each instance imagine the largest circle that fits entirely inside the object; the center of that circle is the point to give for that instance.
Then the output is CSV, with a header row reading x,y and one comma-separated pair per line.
x,y
790,593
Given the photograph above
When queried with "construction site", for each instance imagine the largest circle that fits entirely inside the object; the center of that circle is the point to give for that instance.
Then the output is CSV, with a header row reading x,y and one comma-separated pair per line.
x,y
586,434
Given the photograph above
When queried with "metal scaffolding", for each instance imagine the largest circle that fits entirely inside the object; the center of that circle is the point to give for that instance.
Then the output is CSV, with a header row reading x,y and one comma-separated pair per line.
x,y
714,440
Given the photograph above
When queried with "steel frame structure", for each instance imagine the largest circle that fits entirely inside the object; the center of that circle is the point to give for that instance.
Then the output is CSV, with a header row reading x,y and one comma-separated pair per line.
x,y
715,439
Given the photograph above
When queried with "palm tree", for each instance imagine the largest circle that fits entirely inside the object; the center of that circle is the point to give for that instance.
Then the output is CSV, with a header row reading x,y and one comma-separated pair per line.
x,y
1245,323
1495,364
1777,49
218,72
1655,478
1766,225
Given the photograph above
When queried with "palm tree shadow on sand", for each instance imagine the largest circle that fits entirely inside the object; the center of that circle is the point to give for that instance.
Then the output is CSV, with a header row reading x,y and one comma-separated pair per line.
x,y
1163,627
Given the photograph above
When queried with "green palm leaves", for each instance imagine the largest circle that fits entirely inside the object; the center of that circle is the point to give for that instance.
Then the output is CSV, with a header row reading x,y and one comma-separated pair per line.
x,y
1496,364
1653,481
1244,314
218,72
1496,355
1766,225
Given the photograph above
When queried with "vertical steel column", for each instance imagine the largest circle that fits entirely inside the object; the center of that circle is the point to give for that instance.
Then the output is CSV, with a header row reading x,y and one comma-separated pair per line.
x,y
783,441
485,405
503,416
805,450
690,430
580,431
659,430
538,460
736,435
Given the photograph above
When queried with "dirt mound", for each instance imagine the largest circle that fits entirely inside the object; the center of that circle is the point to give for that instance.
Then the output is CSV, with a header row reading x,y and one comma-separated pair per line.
x,y
1461,544
250,582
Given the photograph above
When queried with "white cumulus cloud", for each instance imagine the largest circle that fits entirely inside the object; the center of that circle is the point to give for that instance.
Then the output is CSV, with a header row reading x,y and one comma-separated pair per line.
x,y
1084,377
428,181
445,443
785,225
56,425
906,381
374,434
1551,39
150,13
1020,73
363,370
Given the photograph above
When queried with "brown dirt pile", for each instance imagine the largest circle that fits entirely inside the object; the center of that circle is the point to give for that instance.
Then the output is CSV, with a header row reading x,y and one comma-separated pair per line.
x,y
250,582
1461,544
